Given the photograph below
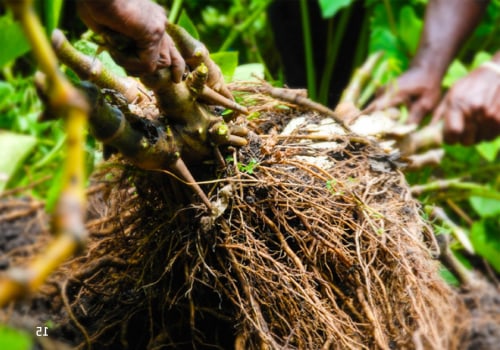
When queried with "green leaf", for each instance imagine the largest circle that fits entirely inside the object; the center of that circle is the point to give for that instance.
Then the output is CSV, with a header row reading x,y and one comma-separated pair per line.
x,y
6,92
489,150
329,8
55,190
382,39
486,242
456,71
485,207
249,168
52,12
480,58
248,72
448,276
227,61
186,23
410,27
14,339
15,148
14,43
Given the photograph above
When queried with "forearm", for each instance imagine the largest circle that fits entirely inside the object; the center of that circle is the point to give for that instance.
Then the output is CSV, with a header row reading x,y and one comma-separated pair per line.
x,y
448,23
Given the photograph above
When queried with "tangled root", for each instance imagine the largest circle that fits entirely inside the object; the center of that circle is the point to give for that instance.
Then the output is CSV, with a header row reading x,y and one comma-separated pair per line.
x,y
316,246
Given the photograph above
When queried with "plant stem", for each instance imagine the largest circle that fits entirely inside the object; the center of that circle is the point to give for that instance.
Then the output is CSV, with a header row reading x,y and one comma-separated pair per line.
x,y
308,49
359,79
174,11
390,17
243,26
333,45
362,42
457,232
267,72
52,14
456,184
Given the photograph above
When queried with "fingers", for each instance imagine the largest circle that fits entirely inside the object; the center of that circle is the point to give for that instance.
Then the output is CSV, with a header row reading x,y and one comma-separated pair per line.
x,y
454,125
170,57
460,125
390,97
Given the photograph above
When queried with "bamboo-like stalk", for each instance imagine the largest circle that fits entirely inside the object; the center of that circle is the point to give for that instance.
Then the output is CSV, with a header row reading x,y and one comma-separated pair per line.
x,y
457,232
243,26
333,45
69,214
360,78
175,9
308,49
456,184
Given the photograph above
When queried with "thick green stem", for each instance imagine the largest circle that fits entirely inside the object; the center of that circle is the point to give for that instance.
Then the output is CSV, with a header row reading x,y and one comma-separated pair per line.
x,y
456,184
175,10
390,17
362,42
308,49
333,45
360,78
243,26
52,14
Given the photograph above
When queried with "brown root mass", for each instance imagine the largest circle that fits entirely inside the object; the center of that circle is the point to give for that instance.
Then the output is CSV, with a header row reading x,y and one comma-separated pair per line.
x,y
307,255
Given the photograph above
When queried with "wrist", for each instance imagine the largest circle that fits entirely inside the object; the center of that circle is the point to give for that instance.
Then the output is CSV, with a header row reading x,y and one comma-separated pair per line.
x,y
432,61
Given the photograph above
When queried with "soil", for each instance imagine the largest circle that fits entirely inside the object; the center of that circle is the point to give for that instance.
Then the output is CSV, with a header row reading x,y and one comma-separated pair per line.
x,y
316,245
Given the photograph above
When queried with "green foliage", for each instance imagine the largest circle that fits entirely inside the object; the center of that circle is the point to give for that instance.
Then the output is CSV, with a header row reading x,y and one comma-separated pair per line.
x,y
14,339
409,29
227,61
489,150
330,8
457,70
485,207
14,43
186,23
395,29
237,26
19,110
484,237
15,148
248,72
476,193
52,14
248,168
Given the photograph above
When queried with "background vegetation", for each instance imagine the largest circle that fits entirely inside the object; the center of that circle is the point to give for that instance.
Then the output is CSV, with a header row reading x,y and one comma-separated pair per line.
x,y
242,34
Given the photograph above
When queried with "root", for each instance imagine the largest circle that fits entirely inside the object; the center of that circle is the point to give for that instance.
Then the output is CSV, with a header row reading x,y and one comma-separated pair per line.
x,y
314,247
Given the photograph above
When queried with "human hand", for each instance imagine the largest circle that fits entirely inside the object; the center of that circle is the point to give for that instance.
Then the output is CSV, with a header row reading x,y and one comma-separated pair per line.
x,y
471,108
134,31
418,89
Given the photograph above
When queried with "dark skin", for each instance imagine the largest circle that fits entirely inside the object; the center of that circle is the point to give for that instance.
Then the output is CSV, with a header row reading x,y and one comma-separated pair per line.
x,y
470,109
134,31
